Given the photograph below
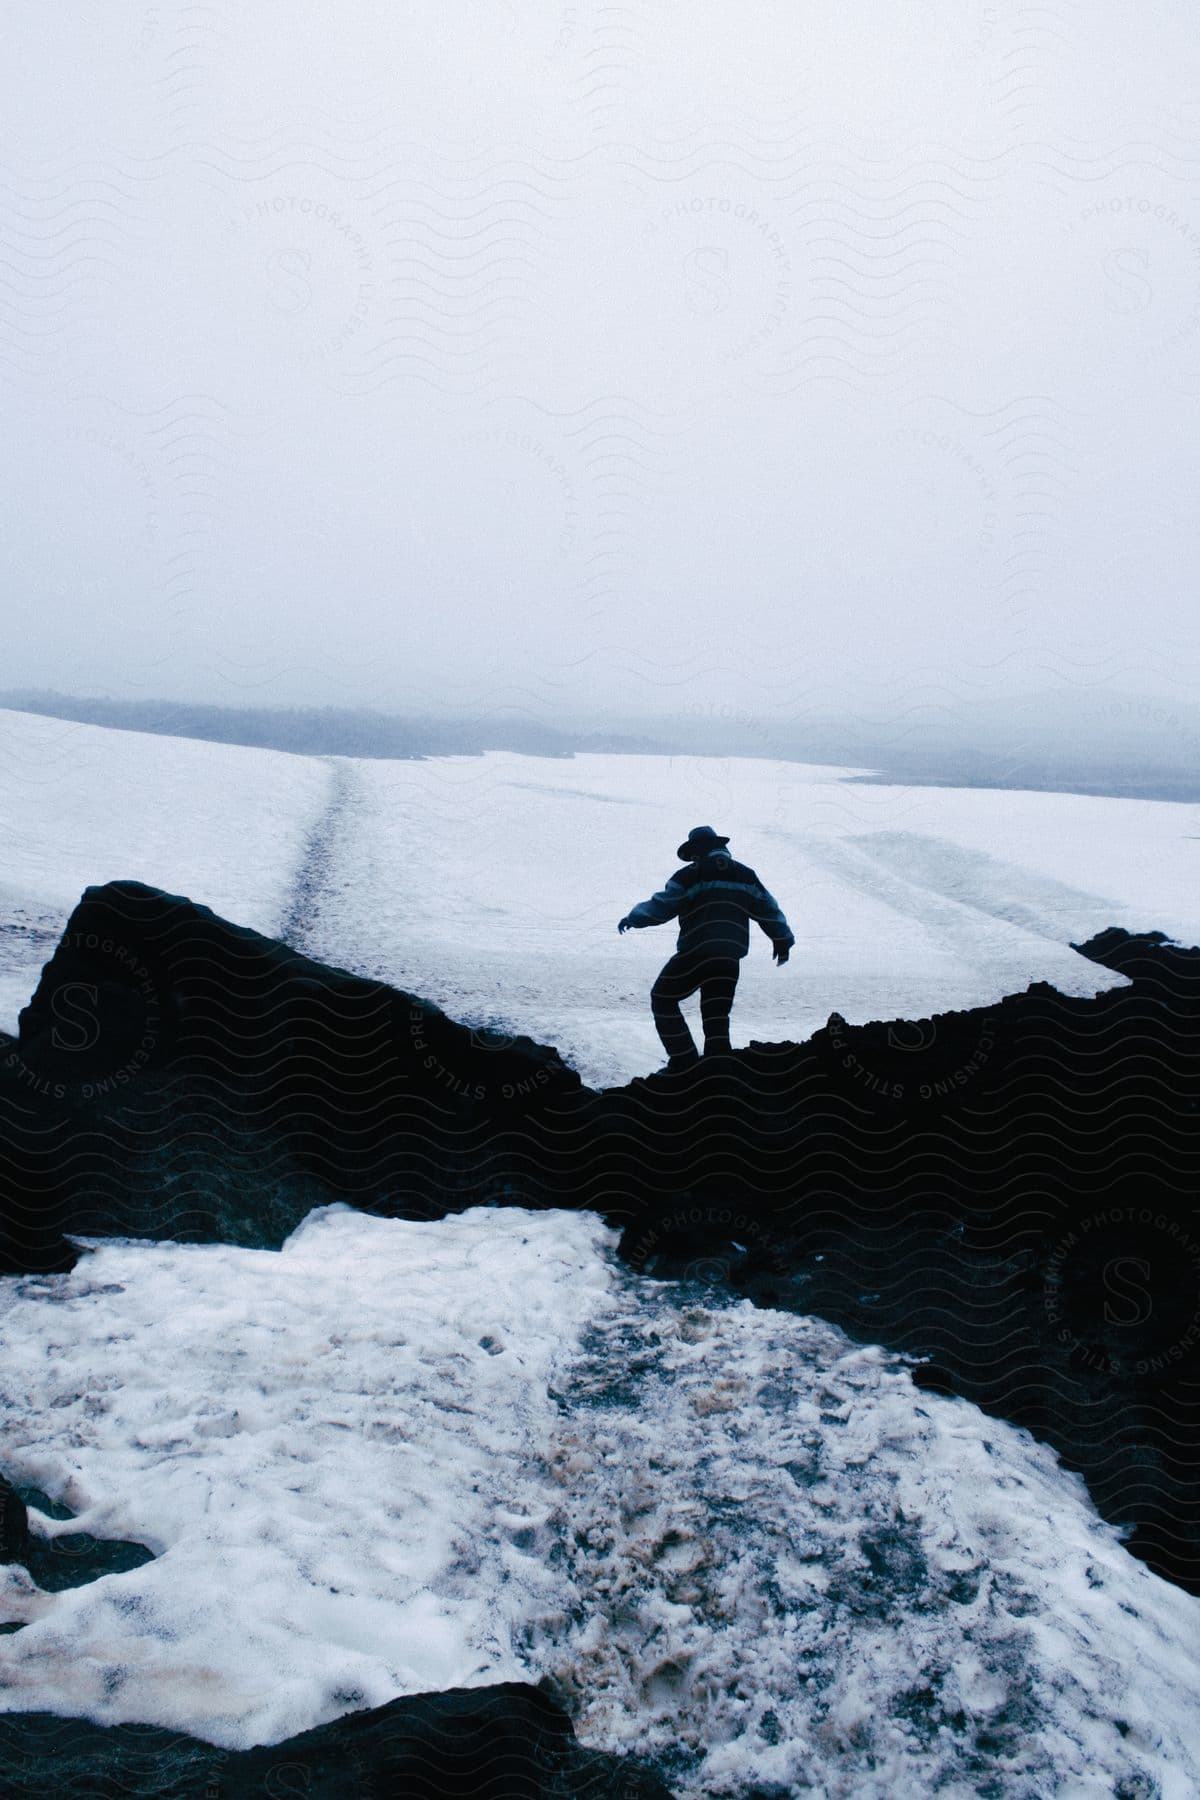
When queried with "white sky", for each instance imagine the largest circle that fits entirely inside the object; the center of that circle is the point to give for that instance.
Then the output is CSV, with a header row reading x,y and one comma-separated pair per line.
x,y
480,354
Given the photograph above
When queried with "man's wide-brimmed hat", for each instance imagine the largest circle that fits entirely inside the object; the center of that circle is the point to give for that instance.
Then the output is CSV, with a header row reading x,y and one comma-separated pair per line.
x,y
700,840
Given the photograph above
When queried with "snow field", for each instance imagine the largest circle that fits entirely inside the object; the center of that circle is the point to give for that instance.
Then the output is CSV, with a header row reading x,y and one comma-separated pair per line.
x,y
493,885
393,1457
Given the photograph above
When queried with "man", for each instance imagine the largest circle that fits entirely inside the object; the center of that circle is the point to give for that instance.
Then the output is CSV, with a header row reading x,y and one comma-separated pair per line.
x,y
715,899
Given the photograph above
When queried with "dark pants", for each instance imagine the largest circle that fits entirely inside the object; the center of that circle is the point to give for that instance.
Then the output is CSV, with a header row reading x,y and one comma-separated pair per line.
x,y
717,978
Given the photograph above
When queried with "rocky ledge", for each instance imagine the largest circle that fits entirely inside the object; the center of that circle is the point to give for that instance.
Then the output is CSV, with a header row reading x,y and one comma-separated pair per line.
x,y
509,1739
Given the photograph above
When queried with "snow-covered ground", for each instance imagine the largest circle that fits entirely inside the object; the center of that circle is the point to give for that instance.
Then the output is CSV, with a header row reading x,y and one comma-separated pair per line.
x,y
395,1457
493,885
80,804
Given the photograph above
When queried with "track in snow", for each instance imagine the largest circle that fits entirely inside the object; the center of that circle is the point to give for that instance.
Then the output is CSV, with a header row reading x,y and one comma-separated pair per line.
x,y
317,879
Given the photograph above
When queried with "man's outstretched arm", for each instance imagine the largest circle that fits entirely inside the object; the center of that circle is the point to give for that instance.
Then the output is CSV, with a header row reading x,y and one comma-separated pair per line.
x,y
656,910
768,913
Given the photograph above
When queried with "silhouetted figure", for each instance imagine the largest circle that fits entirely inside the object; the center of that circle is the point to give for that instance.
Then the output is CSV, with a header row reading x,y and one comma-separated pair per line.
x,y
715,898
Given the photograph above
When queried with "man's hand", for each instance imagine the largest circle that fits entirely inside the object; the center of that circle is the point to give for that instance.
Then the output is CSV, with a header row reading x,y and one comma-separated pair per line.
x,y
624,926
782,952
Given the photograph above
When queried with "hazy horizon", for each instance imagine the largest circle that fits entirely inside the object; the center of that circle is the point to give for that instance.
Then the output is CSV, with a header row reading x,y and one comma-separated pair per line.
x,y
603,365
1086,743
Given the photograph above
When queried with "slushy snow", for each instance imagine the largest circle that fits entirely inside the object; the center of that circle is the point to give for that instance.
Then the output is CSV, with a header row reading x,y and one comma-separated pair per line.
x,y
393,1457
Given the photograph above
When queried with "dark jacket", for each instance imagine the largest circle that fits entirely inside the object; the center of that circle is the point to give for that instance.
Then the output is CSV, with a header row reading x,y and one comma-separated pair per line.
x,y
715,898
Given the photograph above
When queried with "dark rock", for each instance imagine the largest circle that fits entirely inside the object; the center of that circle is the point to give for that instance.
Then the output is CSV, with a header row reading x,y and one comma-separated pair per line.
x,y
72,1558
509,1740
14,1523
180,1076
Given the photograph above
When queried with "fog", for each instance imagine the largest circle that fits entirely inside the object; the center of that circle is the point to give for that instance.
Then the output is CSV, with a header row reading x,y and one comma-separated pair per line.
x,y
603,362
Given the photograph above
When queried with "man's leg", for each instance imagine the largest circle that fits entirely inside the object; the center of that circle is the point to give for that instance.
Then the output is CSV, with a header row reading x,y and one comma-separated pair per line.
x,y
677,979
716,1003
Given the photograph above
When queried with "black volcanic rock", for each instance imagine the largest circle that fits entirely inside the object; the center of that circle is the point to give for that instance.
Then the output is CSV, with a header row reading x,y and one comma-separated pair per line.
x,y
1009,1191
177,1075
510,1740
69,1558
14,1523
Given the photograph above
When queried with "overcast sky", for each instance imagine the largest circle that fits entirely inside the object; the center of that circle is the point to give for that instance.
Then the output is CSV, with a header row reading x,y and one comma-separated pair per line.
x,y
602,359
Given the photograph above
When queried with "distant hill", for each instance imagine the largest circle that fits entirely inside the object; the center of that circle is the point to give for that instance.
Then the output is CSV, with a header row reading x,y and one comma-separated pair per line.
x,y
321,730
1088,742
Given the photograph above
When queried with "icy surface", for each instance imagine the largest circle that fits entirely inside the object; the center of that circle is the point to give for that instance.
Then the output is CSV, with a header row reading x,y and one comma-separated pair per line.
x,y
80,804
394,1457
